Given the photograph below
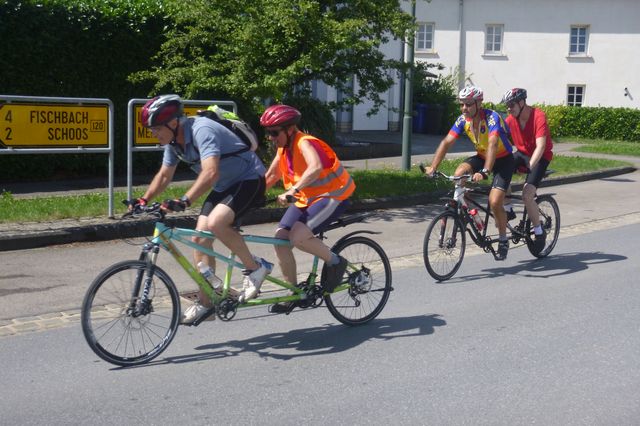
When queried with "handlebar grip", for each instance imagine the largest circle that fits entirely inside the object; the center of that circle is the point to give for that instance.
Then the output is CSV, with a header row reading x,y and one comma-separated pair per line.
x,y
291,199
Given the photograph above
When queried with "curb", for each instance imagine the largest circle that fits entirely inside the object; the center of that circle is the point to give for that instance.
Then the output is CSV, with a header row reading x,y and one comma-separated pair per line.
x,y
140,228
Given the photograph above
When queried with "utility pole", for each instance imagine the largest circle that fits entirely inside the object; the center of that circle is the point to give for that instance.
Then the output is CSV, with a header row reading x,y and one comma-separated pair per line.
x,y
408,95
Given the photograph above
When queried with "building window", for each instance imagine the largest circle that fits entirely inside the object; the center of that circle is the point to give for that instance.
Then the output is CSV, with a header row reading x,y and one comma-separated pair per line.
x,y
578,40
493,39
424,37
575,95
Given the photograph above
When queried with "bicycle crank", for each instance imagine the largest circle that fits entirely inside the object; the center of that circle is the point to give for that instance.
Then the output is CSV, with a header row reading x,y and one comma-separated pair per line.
x,y
227,309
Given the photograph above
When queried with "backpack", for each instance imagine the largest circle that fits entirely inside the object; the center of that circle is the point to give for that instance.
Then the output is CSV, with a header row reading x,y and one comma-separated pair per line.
x,y
232,122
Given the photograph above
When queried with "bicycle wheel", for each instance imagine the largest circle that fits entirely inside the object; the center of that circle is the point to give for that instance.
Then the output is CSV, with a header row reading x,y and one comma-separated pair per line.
x,y
117,326
550,218
369,278
444,244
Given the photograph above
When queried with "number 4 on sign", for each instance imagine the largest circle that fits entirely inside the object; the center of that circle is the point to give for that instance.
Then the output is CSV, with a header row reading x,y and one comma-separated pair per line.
x,y
7,117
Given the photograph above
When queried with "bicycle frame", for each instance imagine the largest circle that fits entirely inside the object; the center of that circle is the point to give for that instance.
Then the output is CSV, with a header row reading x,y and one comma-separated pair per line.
x,y
166,237
131,310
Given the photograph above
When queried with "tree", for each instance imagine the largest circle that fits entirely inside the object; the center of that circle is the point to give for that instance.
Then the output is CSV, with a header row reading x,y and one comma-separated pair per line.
x,y
260,49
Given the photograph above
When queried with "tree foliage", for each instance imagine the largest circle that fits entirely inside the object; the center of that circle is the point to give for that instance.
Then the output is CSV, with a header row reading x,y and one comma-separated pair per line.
x,y
261,49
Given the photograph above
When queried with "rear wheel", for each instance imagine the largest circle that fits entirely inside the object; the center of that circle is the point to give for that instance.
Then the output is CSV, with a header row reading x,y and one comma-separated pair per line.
x,y
550,219
443,247
367,281
121,329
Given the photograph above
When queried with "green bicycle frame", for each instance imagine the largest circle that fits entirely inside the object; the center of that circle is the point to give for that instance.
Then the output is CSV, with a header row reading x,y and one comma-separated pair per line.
x,y
166,237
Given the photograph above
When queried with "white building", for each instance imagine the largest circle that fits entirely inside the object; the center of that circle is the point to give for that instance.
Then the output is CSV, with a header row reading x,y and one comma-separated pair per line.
x,y
564,52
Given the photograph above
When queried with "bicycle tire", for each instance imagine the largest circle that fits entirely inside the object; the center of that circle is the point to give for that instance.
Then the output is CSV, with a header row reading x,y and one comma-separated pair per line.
x,y
369,285
444,246
112,332
550,216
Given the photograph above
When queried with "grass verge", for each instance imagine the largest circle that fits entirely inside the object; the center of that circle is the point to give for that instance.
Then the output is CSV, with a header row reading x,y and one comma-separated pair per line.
x,y
370,184
601,146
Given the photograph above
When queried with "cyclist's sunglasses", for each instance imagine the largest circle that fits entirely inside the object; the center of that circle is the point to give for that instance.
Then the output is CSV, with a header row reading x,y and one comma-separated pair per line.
x,y
274,133
467,103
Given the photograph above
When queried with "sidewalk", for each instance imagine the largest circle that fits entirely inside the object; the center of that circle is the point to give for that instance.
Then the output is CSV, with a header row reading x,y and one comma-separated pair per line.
x,y
17,236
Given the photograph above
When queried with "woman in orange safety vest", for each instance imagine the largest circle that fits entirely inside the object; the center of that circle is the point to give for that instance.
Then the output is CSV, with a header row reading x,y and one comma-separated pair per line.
x,y
312,173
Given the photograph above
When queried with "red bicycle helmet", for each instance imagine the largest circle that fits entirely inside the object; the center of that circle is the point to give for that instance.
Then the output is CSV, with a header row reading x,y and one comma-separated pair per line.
x,y
280,115
160,110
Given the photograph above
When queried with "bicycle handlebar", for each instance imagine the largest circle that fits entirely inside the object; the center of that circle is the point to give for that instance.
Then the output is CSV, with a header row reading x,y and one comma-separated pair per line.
x,y
153,209
444,176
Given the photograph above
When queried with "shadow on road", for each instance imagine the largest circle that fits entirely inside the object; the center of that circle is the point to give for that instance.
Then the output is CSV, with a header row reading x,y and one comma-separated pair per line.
x,y
312,341
548,267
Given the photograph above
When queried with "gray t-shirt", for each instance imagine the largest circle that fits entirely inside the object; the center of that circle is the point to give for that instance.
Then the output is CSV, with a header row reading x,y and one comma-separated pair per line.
x,y
205,138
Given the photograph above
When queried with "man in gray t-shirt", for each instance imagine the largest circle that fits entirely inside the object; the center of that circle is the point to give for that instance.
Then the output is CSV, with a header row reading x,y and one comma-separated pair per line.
x,y
231,174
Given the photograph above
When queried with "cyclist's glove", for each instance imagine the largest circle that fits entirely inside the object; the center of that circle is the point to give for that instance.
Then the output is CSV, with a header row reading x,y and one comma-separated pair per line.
x,y
136,204
174,205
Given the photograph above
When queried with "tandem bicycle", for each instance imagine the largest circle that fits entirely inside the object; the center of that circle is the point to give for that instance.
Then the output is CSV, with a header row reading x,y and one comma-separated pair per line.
x,y
445,239
131,311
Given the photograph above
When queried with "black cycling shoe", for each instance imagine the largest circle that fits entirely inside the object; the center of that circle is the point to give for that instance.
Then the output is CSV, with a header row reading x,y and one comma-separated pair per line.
x,y
510,214
282,307
539,241
503,249
334,275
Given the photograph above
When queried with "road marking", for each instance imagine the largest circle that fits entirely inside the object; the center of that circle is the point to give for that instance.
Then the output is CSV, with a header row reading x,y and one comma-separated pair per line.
x,y
54,320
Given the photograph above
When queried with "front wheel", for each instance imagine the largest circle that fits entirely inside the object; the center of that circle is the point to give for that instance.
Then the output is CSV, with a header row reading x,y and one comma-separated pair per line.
x,y
123,327
550,220
367,281
443,247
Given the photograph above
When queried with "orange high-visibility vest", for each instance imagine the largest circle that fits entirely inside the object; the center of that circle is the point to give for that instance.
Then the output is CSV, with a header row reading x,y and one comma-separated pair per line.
x,y
333,182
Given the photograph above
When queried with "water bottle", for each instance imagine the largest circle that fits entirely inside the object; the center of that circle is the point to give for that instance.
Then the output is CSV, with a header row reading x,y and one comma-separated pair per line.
x,y
210,276
476,219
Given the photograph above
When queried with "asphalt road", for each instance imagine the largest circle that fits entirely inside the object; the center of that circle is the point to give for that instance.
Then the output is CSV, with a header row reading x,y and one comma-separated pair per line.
x,y
551,342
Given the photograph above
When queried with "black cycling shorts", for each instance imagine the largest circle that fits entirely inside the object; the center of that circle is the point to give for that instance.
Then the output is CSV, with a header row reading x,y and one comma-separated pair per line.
x,y
502,169
537,173
240,197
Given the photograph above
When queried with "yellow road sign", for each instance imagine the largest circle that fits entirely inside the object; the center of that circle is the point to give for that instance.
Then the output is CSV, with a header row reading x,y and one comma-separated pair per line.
x,y
28,125
143,136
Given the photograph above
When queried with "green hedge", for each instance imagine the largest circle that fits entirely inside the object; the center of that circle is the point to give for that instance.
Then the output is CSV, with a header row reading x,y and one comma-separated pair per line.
x,y
588,122
593,122
76,48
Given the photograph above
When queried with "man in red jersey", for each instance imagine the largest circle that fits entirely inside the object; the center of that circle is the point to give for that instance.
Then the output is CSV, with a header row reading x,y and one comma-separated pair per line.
x,y
530,135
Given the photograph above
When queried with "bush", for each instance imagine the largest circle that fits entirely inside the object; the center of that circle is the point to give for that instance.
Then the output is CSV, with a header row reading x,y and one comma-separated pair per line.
x,y
593,122
317,118
440,90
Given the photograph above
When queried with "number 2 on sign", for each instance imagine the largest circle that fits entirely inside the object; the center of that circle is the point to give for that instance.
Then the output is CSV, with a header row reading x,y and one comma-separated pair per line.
x,y
8,134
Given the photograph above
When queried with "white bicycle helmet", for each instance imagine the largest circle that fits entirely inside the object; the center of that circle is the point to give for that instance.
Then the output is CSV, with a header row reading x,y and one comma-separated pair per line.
x,y
471,93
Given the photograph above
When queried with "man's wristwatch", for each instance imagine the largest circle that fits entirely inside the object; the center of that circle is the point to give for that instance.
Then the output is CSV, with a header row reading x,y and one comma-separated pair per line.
x,y
186,200
484,173
295,189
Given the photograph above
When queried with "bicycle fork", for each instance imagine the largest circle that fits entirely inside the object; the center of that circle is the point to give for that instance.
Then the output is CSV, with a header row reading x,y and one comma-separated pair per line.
x,y
141,305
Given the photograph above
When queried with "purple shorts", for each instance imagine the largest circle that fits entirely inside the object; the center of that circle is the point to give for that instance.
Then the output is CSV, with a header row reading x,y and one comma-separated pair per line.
x,y
317,216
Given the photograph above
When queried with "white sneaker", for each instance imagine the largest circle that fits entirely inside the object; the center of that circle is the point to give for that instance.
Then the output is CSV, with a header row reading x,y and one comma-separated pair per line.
x,y
253,281
192,313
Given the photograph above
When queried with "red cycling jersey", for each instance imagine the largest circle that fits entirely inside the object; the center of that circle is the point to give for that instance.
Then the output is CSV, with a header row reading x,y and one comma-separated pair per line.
x,y
525,139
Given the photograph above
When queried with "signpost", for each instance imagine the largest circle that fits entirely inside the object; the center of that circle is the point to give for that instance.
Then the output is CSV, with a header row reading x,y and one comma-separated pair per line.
x,y
47,125
59,126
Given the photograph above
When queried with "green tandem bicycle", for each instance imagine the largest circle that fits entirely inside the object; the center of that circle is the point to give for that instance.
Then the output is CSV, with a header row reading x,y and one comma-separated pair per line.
x,y
131,311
